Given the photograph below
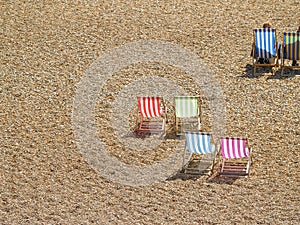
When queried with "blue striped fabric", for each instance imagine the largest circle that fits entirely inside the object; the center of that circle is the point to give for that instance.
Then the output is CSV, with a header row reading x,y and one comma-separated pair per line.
x,y
199,143
265,42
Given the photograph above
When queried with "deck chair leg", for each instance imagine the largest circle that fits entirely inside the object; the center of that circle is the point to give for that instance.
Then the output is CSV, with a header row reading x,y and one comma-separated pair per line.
x,y
190,156
223,164
248,169
274,69
163,133
282,71
214,161
188,163
184,155
199,124
176,126
293,73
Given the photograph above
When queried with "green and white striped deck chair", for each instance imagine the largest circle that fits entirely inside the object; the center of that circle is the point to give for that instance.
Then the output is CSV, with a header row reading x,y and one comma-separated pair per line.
x,y
187,113
199,153
290,50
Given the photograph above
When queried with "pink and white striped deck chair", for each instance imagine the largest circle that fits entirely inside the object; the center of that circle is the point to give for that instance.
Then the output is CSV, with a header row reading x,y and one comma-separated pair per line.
x,y
236,157
151,116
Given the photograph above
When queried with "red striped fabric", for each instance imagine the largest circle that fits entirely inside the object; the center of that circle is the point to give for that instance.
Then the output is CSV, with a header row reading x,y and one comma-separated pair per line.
x,y
150,106
234,147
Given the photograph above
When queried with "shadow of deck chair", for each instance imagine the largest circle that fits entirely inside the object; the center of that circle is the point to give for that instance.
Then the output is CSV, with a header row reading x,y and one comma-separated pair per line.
x,y
187,113
199,153
290,50
151,116
235,158
265,47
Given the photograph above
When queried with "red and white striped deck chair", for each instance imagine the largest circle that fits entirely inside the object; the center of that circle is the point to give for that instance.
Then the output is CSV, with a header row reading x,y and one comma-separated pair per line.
x,y
236,157
151,116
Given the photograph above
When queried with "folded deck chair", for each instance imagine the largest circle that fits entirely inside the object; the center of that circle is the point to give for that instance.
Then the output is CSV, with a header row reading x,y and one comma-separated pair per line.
x,y
265,47
290,50
199,152
235,160
151,116
187,113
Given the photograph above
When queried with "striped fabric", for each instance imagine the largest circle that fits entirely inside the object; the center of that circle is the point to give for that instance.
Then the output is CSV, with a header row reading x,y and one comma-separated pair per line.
x,y
292,45
186,106
265,42
199,143
234,147
150,106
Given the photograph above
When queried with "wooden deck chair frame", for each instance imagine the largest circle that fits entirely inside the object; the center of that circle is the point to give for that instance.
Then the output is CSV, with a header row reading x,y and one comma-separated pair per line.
x,y
204,160
256,57
188,123
152,124
235,167
288,51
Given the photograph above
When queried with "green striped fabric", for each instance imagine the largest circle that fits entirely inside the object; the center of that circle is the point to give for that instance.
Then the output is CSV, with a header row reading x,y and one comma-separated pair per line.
x,y
292,45
186,106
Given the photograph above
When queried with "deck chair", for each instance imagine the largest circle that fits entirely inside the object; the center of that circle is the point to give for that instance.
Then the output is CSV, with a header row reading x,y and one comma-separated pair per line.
x,y
265,47
187,113
199,153
290,50
236,157
151,115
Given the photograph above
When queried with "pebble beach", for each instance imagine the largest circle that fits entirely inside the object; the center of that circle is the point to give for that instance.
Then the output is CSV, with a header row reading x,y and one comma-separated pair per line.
x,y
48,48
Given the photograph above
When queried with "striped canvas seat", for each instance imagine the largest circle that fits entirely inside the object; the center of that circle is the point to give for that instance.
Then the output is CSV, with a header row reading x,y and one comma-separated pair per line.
x,y
150,107
291,49
235,148
265,47
186,106
198,143
265,42
291,42
151,116
187,113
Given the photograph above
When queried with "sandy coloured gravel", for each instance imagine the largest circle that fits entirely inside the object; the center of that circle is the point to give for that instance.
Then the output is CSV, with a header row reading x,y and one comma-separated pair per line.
x,y
47,47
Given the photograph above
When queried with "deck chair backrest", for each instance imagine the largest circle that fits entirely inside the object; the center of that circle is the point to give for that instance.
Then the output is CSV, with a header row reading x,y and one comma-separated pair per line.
x,y
186,106
199,143
233,148
291,43
265,42
150,107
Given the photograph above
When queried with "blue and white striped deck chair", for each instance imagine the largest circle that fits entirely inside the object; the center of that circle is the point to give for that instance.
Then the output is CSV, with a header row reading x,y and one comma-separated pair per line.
x,y
290,50
199,153
187,113
265,47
